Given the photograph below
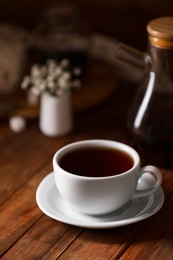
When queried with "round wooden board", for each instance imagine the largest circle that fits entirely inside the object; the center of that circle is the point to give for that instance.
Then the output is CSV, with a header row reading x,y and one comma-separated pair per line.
x,y
98,84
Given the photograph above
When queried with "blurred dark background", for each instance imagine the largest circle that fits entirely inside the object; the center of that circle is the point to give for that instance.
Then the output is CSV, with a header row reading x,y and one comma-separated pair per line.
x,y
124,20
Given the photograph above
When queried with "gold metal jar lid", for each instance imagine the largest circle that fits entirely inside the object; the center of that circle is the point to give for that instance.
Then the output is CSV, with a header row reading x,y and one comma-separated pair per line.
x,y
160,32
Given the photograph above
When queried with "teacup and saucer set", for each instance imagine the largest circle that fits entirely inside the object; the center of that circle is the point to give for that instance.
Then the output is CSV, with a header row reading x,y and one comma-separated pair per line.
x,y
99,184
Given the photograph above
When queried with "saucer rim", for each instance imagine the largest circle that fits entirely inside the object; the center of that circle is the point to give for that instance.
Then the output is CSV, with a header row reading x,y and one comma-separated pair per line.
x,y
96,225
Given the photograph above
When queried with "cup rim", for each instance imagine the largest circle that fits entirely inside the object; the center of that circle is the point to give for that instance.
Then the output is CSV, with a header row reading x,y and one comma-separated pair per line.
x,y
99,143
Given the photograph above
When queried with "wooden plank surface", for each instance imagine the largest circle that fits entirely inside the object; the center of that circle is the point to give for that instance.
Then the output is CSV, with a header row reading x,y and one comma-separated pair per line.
x,y
26,233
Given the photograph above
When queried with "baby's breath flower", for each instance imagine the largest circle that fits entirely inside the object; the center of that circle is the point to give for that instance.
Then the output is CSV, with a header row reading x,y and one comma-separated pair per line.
x,y
51,63
77,71
36,81
63,83
66,75
35,91
35,71
43,71
52,77
42,86
51,84
64,63
58,71
25,83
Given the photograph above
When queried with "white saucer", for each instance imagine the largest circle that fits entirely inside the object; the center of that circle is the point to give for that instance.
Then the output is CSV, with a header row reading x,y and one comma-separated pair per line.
x,y
53,205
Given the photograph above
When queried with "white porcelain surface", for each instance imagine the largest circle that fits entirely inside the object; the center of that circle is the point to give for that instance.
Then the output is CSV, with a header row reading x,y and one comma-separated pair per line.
x,y
55,115
89,194
52,204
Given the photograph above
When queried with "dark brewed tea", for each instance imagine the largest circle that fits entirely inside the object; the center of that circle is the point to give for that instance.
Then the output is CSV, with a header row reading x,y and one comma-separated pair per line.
x,y
96,162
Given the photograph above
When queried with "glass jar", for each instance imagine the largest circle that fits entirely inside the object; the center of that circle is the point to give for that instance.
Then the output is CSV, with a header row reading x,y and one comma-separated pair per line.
x,y
60,34
151,116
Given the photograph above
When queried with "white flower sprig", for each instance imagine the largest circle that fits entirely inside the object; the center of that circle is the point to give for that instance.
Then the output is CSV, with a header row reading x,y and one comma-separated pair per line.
x,y
53,77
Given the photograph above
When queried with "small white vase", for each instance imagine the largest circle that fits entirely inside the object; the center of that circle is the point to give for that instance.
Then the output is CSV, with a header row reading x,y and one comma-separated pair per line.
x,y
55,114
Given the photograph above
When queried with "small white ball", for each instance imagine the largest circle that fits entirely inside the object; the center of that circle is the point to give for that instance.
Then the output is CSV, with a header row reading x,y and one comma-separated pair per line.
x,y
17,124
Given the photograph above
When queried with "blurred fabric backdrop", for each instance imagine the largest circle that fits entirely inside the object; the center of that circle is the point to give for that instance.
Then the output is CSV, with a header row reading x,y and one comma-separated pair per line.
x,y
125,20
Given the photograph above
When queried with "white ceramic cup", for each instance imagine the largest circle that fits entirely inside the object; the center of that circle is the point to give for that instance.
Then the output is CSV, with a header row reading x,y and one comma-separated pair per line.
x,y
102,195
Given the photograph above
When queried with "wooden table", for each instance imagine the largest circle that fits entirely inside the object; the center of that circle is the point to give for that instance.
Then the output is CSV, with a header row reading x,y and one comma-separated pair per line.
x,y
26,158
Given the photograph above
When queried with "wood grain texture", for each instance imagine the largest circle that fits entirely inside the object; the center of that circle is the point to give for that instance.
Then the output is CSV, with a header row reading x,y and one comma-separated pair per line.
x,y
26,158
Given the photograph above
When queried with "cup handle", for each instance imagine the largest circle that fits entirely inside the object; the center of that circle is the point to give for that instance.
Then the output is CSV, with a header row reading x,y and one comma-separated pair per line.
x,y
151,178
